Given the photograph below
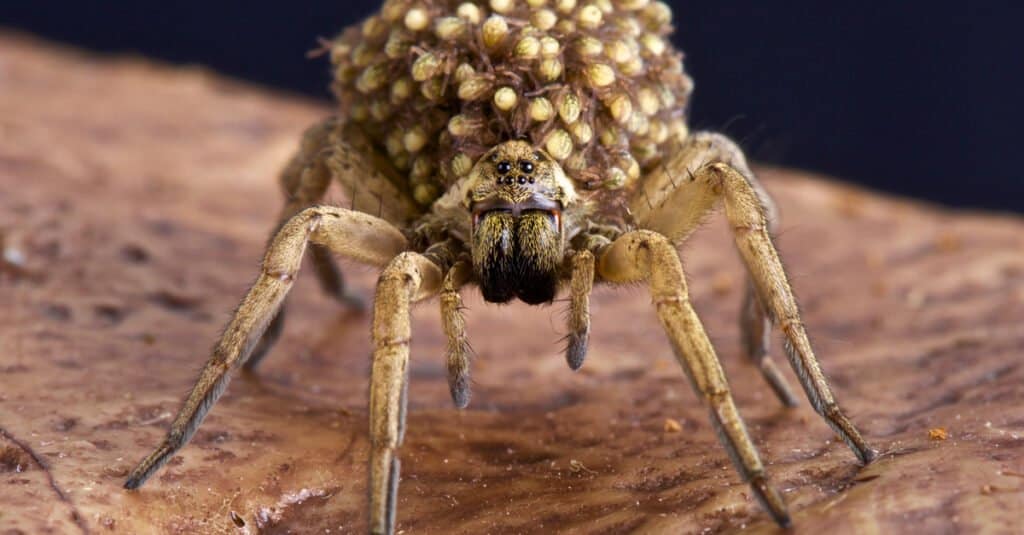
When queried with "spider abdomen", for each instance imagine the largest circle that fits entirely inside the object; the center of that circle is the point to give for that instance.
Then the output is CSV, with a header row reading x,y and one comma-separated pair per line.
x,y
436,83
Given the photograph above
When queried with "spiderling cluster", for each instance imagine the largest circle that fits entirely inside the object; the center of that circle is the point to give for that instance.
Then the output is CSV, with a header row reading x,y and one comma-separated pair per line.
x,y
436,83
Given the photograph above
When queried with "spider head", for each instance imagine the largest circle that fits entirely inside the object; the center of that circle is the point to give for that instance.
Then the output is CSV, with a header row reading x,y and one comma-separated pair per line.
x,y
516,197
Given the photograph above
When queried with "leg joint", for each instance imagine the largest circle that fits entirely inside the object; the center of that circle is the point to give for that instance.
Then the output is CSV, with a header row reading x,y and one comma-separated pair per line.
x,y
393,342
790,325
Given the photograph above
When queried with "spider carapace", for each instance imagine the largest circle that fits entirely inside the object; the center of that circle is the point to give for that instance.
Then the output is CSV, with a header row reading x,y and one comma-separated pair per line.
x,y
522,147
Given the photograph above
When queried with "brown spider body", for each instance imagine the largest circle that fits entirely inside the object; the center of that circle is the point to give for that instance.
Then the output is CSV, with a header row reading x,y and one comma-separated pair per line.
x,y
436,83
525,147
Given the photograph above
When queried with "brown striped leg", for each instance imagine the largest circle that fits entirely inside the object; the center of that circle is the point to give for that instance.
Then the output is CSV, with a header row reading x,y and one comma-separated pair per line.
x,y
358,236
407,279
305,180
710,168
458,352
671,202
650,257
746,216
581,283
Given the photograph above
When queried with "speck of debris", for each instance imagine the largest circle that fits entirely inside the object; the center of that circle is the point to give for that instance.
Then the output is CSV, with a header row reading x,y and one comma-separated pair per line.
x,y
134,254
237,519
577,467
672,426
938,433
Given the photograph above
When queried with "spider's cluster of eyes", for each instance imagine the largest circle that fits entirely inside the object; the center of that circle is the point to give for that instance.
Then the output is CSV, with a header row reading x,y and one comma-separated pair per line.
x,y
504,167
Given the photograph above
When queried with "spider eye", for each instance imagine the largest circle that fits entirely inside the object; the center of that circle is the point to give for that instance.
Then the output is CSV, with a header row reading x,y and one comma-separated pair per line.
x,y
526,167
504,167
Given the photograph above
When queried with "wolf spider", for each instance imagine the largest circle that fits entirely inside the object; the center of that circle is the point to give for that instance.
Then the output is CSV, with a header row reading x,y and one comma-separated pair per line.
x,y
517,228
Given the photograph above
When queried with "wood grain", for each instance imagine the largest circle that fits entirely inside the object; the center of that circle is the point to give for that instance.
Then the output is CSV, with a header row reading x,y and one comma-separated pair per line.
x,y
141,195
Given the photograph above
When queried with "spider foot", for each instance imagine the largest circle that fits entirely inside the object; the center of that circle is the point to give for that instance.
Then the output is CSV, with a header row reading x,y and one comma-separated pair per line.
x,y
576,350
771,500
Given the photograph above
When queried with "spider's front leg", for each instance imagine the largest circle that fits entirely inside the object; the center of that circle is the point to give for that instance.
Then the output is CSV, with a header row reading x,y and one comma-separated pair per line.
x,y
327,151
458,351
356,235
668,202
647,256
408,278
709,167
581,282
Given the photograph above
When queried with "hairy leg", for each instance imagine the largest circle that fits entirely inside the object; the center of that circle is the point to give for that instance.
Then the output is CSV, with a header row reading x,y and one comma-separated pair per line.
x,y
358,236
458,350
305,180
650,257
408,278
581,282
720,176
668,203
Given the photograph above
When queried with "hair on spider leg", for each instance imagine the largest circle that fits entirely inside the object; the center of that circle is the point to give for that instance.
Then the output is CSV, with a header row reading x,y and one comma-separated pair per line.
x,y
323,48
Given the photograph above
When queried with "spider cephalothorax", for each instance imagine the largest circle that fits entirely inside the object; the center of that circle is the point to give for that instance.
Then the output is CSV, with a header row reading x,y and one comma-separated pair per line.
x,y
525,147
517,196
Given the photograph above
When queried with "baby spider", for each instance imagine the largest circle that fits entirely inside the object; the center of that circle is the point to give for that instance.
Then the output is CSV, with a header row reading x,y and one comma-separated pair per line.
x,y
521,148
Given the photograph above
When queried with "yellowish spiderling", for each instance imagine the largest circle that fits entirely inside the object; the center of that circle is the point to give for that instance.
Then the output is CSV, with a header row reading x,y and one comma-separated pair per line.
x,y
449,28
503,6
474,88
469,12
417,19
505,98
559,144
541,109
544,19
565,6
494,31
372,79
581,132
414,139
589,16
550,69
600,75
569,107
527,48
549,46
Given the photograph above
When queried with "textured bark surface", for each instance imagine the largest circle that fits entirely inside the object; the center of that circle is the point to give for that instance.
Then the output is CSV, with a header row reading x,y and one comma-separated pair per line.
x,y
140,198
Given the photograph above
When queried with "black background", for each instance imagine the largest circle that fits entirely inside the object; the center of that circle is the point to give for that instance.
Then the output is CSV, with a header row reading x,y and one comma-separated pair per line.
x,y
919,98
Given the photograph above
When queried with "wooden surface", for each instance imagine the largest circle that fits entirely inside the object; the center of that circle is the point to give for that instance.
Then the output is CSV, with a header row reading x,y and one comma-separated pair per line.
x,y
135,200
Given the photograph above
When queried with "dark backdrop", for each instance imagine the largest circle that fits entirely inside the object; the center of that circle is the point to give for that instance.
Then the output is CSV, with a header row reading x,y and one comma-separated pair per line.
x,y
916,97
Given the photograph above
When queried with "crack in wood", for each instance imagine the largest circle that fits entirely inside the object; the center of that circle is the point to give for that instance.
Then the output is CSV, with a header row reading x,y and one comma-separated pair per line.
x,y
45,467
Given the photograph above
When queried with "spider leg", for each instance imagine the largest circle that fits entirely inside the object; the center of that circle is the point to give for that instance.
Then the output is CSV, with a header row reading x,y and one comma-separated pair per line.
x,y
305,180
458,350
669,202
755,320
409,277
648,256
762,260
359,236
722,174
581,282
755,334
